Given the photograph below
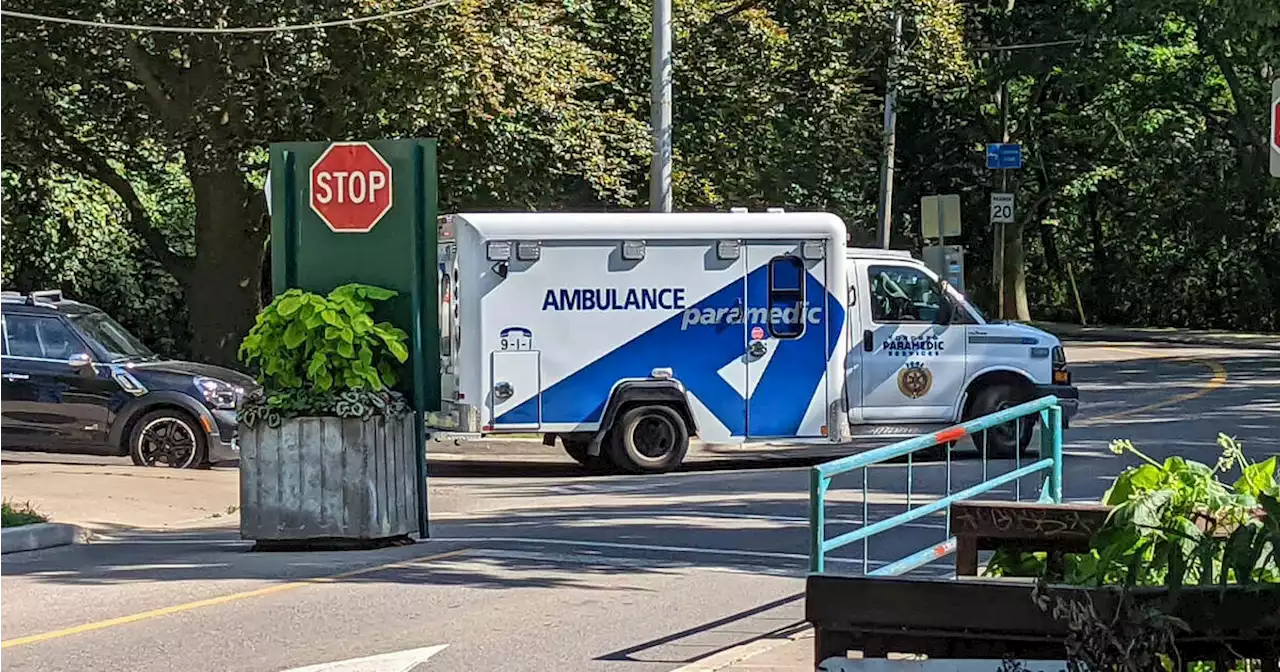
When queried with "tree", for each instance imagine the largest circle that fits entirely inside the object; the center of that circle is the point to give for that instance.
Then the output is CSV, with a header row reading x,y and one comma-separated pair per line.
x,y
498,83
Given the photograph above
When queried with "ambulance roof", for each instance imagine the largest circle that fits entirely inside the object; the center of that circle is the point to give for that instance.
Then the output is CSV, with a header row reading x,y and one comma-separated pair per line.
x,y
650,226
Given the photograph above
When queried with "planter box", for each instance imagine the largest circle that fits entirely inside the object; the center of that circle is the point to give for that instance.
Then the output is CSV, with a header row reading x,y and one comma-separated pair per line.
x,y
314,479
991,619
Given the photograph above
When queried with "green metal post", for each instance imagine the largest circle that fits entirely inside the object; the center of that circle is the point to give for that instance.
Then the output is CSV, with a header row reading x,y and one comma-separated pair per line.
x,y
1055,425
420,236
817,519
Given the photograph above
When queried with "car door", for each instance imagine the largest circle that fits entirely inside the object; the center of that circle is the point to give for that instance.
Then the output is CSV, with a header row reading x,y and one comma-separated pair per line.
x,y
50,402
913,360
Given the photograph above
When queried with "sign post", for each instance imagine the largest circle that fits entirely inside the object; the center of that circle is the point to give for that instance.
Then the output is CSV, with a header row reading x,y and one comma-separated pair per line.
x,y
366,212
1002,156
940,218
1275,128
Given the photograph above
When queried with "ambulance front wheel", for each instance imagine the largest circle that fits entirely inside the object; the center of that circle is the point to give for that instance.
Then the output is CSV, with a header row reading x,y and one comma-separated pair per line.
x,y
1003,441
649,440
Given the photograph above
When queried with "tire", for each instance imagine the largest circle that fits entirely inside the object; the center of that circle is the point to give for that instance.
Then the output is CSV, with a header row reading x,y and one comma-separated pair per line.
x,y
649,440
577,446
1003,441
150,442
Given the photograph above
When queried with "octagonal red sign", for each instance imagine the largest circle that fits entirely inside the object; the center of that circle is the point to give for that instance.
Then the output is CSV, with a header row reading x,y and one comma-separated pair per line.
x,y
351,187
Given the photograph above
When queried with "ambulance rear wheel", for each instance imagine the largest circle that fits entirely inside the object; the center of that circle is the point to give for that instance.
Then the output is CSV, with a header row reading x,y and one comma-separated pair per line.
x,y
649,440
1003,441
577,447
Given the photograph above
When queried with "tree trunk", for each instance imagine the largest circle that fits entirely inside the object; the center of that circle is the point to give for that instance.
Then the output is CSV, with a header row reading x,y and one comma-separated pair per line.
x,y
231,228
1015,274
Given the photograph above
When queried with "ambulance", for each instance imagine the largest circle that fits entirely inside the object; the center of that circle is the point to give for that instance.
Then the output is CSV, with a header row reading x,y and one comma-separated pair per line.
x,y
626,335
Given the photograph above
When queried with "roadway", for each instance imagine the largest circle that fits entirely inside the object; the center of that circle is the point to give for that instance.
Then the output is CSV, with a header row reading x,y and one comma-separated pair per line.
x,y
534,566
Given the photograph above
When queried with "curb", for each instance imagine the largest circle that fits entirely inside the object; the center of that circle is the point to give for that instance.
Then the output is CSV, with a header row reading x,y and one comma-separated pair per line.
x,y
1094,334
40,535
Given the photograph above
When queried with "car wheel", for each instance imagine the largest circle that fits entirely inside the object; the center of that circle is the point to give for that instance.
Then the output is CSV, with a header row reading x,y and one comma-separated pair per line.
x,y
168,437
649,440
1003,441
577,446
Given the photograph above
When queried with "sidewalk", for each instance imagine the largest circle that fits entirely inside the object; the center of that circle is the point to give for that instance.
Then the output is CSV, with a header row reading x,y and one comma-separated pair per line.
x,y
1207,337
793,653
106,498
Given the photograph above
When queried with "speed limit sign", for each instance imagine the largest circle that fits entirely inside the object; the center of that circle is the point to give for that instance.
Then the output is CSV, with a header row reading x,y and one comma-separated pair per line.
x,y
1001,208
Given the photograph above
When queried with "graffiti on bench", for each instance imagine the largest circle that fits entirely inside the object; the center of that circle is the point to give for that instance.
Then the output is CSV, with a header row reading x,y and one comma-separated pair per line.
x,y
996,519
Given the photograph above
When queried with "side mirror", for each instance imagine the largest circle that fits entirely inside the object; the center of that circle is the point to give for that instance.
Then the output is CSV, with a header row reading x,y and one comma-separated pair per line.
x,y
79,360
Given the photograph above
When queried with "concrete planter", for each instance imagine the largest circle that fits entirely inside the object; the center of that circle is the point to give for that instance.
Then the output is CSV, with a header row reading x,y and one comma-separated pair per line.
x,y
328,479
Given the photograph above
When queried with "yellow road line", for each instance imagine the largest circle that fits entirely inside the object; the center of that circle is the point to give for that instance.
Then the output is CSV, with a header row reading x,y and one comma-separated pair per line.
x,y
1218,380
214,601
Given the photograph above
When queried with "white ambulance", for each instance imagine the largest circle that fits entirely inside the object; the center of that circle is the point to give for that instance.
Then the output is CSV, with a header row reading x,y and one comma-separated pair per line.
x,y
627,334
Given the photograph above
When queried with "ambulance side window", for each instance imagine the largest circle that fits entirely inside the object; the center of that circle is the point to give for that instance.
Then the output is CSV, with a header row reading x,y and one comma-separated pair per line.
x,y
905,295
786,297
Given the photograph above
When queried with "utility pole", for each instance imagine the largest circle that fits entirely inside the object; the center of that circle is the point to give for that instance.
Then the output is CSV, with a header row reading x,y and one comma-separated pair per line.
x,y
884,227
660,111
998,257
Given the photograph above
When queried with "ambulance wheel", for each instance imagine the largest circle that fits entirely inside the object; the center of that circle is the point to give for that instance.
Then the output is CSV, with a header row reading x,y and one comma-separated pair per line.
x,y
649,440
577,446
1003,441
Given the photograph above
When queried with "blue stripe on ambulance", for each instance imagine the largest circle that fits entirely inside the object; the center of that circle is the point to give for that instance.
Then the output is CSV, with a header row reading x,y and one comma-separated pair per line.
x,y
695,353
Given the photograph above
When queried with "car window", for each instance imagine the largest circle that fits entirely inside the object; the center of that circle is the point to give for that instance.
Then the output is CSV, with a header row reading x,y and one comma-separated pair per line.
x,y
40,336
902,294
786,297
115,339
4,338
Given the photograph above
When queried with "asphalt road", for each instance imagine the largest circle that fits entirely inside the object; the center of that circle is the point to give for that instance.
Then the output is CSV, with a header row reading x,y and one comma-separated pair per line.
x,y
534,566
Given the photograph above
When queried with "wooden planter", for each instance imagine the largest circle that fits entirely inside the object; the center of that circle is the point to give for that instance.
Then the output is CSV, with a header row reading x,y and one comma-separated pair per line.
x,y
991,619
328,480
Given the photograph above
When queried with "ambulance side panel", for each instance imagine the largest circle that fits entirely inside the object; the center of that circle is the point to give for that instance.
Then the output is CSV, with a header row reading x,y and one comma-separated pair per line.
x,y
550,341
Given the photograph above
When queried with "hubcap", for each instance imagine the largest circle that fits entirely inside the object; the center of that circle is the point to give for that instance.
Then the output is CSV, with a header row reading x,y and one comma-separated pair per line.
x,y
654,437
167,441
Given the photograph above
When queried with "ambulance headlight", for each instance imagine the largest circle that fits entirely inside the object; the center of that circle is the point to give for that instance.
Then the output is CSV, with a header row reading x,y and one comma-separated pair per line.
x,y
498,250
632,250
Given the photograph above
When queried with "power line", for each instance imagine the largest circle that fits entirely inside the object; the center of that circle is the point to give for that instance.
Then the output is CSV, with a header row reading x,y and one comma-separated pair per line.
x,y
138,28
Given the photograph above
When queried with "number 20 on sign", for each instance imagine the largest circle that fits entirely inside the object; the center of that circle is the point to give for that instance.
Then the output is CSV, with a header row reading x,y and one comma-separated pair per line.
x,y
1001,208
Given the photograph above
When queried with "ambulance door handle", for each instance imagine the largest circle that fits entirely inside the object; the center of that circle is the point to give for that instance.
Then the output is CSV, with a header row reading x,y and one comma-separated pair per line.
x,y
868,340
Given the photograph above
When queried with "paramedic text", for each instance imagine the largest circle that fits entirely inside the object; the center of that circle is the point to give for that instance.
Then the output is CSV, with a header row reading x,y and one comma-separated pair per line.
x,y
775,315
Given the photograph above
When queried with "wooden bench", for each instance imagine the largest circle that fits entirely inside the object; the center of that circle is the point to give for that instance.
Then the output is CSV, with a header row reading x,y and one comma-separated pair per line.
x,y
1056,529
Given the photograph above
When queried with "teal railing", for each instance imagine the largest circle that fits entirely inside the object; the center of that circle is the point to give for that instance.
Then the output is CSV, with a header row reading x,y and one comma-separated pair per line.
x,y
820,480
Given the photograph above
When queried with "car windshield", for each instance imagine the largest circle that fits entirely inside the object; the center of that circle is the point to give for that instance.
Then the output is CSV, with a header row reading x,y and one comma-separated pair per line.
x,y
115,339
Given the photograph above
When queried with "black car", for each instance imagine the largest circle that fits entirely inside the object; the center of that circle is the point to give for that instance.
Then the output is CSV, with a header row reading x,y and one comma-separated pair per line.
x,y
74,380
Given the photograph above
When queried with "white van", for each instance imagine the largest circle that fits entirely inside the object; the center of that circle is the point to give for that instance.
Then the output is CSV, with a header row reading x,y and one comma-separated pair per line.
x,y
627,334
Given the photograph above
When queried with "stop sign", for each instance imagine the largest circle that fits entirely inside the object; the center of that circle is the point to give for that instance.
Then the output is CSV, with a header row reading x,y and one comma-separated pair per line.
x,y
1275,125
350,187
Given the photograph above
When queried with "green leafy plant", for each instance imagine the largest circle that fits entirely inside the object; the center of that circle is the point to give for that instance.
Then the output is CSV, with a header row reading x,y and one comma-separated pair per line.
x,y
324,355
13,515
1177,522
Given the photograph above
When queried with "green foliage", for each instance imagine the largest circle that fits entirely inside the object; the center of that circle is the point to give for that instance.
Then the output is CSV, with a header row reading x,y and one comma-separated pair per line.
x,y
1143,125
325,343
13,515
324,356
1176,523
271,409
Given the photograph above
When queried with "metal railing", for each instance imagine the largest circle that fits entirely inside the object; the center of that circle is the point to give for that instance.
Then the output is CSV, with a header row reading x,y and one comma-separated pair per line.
x,y
820,480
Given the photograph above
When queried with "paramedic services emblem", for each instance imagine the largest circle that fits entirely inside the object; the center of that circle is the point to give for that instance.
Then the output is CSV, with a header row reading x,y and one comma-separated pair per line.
x,y
914,380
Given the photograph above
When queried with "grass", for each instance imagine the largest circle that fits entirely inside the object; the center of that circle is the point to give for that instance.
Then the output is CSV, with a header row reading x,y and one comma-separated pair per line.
x,y
13,515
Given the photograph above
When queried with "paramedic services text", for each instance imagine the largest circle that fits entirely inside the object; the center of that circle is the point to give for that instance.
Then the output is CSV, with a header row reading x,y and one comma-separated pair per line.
x,y
672,298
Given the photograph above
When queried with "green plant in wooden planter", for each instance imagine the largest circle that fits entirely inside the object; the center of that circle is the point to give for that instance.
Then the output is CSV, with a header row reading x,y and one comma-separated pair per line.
x,y
323,356
1178,522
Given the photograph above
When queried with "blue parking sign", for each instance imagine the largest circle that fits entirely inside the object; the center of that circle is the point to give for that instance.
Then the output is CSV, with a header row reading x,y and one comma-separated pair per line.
x,y
1004,156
